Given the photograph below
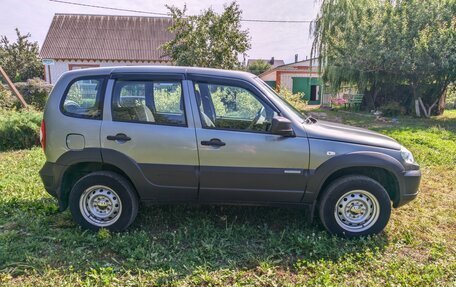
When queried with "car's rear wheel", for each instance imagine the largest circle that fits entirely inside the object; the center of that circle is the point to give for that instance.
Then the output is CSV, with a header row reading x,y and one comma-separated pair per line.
x,y
354,206
103,199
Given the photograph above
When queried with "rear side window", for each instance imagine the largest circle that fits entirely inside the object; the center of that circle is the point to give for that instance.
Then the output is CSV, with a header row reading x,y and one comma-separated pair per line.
x,y
156,102
83,98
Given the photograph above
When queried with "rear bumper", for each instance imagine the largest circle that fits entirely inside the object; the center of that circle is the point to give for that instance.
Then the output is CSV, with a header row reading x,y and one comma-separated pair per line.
x,y
51,175
409,182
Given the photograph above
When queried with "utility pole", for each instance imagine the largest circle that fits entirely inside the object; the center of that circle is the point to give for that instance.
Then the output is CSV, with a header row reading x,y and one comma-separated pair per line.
x,y
13,87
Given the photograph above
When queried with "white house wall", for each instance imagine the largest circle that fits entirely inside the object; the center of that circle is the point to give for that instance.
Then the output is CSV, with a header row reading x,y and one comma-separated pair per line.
x,y
269,77
61,67
286,81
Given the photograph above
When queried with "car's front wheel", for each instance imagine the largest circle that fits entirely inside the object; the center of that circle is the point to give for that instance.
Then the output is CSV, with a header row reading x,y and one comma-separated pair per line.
x,y
354,206
103,199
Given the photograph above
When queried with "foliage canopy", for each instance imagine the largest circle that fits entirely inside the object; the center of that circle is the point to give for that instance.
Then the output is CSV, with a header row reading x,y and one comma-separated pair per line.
x,y
20,59
384,47
209,39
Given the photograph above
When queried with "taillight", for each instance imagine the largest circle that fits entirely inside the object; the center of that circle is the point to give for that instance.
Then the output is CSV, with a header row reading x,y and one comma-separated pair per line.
x,y
43,135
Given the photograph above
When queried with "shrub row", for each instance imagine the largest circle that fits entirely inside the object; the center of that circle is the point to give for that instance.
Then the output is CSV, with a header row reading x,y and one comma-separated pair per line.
x,y
35,92
296,100
19,129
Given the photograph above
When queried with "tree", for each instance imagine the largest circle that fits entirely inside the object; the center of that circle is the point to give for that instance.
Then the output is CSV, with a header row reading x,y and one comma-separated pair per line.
x,y
258,67
20,59
209,39
403,50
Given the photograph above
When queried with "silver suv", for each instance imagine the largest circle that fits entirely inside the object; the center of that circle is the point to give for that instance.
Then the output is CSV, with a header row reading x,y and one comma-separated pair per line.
x,y
116,136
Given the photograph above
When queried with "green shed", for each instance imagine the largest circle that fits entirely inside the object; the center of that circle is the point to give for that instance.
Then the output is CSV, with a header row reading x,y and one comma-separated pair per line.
x,y
311,87
272,84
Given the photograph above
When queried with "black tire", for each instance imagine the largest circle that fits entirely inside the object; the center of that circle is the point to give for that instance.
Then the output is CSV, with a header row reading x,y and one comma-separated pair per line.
x,y
331,211
122,187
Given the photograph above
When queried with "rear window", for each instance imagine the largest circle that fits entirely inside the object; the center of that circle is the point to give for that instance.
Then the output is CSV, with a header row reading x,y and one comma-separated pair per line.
x,y
153,102
83,98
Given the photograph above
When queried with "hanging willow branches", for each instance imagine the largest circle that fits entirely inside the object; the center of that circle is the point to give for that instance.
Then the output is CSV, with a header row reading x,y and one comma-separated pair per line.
x,y
376,45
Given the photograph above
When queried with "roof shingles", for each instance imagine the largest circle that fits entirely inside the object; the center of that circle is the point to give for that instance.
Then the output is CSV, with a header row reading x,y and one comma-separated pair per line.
x,y
106,37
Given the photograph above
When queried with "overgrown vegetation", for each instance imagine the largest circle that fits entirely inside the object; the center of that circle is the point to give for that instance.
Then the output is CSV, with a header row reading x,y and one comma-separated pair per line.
x,y
35,92
209,39
221,246
21,63
7,100
402,51
297,99
20,59
19,129
393,109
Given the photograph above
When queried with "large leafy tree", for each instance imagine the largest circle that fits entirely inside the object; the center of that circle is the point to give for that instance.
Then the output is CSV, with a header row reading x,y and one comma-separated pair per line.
x,y
392,48
20,59
209,39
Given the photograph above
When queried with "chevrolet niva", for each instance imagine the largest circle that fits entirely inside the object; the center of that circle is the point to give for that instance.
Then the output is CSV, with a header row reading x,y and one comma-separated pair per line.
x,y
117,136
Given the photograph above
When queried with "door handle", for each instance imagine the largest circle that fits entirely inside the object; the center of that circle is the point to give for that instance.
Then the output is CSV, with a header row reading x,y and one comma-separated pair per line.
x,y
119,137
213,142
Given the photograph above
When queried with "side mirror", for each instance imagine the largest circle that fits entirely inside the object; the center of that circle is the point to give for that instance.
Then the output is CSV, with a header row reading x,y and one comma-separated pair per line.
x,y
282,126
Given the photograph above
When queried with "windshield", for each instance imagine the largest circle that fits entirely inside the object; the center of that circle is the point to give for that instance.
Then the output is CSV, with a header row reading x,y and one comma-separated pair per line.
x,y
278,97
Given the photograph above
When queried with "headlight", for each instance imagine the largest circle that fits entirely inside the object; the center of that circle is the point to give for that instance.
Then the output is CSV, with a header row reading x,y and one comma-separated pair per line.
x,y
407,156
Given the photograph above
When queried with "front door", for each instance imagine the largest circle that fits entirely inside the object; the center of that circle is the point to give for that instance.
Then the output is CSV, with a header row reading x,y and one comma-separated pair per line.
x,y
145,119
240,160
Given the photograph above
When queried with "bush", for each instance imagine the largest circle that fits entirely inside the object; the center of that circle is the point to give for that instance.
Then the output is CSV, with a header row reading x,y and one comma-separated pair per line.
x,y
7,100
339,101
19,129
35,92
393,109
296,100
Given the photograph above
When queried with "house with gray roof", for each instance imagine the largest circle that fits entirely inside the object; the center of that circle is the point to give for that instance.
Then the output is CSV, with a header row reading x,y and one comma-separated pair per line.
x,y
298,77
79,41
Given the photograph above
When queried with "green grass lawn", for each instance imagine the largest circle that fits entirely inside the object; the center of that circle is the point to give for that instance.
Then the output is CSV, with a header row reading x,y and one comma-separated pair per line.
x,y
254,246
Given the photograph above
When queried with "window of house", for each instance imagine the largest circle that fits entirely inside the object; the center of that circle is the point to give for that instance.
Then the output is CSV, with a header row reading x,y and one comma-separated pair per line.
x,y
83,98
232,107
159,102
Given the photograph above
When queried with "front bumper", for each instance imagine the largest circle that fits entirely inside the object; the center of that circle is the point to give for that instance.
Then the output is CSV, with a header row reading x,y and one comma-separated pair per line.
x,y
409,182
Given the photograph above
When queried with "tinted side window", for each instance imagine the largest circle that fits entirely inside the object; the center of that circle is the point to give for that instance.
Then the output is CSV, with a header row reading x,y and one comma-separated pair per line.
x,y
168,97
159,102
232,107
83,99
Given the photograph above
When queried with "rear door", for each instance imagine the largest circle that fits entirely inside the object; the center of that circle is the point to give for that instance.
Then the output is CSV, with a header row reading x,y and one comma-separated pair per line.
x,y
240,160
146,119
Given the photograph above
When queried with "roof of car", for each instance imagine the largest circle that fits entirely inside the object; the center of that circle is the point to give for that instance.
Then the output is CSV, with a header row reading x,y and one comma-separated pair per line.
x,y
161,69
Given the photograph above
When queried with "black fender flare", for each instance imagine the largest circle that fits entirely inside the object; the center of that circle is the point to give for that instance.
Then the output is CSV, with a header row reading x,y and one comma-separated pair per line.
x,y
98,156
130,168
73,157
353,159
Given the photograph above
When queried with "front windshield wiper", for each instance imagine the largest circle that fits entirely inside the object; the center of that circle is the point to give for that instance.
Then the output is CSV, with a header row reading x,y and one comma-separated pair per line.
x,y
310,120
